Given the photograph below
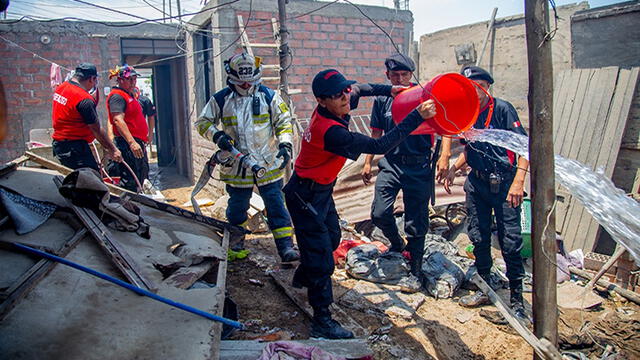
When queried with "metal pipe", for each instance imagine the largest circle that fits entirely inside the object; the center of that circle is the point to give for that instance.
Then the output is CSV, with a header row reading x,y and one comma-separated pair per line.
x,y
133,288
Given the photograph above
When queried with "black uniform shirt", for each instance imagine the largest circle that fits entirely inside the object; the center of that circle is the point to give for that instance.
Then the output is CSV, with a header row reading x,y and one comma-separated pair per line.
x,y
86,108
489,158
381,119
148,109
339,140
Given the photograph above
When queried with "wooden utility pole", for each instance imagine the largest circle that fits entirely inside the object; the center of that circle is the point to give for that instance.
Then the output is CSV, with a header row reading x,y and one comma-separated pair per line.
x,y
543,237
283,52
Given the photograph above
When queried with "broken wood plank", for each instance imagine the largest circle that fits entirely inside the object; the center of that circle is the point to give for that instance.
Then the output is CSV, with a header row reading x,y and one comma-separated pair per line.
x,y
251,349
184,277
630,295
66,171
216,224
36,273
12,165
112,248
544,350
299,297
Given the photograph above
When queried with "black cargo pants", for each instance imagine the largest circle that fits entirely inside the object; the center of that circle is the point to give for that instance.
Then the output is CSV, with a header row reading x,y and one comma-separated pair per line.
x,y
317,230
480,202
412,175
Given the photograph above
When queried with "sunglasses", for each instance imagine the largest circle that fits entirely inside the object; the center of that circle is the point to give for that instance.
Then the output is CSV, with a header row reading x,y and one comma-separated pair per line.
x,y
339,95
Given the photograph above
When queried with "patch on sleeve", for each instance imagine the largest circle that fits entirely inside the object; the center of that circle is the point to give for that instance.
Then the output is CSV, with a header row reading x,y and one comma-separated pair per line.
x,y
283,107
516,124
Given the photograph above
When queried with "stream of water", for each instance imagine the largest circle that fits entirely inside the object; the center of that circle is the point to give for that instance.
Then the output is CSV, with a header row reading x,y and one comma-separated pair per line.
x,y
618,213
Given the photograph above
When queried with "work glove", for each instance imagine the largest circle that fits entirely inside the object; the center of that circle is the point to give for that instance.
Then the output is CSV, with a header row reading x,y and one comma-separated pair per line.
x,y
285,154
224,141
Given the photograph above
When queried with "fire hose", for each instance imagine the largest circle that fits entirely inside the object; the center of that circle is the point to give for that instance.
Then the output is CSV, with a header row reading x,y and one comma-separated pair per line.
x,y
224,158
104,172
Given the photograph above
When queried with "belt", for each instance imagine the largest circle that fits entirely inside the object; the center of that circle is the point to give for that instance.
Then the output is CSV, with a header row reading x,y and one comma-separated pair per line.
x,y
311,184
409,159
484,176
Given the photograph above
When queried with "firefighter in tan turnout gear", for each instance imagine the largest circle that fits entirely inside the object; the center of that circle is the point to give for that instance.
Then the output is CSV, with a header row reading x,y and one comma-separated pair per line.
x,y
256,121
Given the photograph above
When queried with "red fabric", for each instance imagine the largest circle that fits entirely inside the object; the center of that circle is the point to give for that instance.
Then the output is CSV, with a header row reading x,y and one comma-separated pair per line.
x,y
133,116
67,122
340,254
314,162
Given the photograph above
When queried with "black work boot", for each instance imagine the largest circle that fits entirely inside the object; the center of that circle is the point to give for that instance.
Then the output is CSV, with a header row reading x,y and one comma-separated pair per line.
x,y
286,250
236,240
476,299
517,301
397,244
416,264
323,326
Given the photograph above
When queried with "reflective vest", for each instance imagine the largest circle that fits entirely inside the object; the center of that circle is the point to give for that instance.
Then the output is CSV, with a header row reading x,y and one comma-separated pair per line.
x,y
68,124
314,162
133,116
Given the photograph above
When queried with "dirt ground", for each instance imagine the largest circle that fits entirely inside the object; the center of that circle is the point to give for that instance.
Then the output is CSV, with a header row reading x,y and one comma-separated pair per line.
x,y
439,329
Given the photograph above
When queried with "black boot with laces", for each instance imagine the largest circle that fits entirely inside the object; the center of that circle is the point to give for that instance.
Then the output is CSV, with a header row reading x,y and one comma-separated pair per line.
x,y
323,326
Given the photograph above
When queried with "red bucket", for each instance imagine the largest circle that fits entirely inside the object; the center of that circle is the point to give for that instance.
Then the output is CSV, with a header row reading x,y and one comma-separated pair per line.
x,y
457,104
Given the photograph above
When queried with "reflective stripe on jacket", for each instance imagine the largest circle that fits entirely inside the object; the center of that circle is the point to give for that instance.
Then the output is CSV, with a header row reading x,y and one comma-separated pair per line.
x,y
255,135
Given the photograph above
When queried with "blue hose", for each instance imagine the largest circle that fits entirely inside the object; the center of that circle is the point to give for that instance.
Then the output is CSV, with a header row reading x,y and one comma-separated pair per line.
x,y
134,288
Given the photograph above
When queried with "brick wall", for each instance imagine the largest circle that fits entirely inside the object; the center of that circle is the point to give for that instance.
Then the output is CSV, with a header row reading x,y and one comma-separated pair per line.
x,y
353,45
338,36
27,84
26,77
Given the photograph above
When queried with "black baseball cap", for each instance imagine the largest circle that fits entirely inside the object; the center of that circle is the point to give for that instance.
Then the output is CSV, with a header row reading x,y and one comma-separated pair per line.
x,y
399,62
86,70
329,82
477,73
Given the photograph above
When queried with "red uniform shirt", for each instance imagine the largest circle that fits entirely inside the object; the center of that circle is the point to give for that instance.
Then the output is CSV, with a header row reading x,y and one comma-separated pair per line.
x,y
68,123
133,116
314,162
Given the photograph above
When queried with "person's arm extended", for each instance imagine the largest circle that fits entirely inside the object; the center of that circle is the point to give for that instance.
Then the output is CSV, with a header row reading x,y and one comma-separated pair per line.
x,y
341,141
151,119
516,190
366,168
209,119
87,109
118,121
358,90
106,143
451,174
442,166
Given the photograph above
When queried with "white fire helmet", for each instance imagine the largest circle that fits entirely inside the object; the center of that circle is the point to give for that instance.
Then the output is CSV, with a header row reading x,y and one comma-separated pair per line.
x,y
244,68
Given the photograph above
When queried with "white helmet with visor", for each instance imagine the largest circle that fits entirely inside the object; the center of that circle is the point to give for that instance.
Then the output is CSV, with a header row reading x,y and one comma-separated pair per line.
x,y
244,68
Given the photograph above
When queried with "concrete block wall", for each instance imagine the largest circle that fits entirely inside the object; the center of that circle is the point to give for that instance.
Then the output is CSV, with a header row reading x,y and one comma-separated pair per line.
x,y
26,77
505,55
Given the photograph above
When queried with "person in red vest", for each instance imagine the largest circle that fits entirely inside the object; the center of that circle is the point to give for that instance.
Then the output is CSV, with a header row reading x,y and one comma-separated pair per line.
x,y
129,126
326,145
75,121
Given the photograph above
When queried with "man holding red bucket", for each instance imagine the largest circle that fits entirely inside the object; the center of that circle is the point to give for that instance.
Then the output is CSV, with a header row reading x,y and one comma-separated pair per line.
x,y
326,145
407,166
495,184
